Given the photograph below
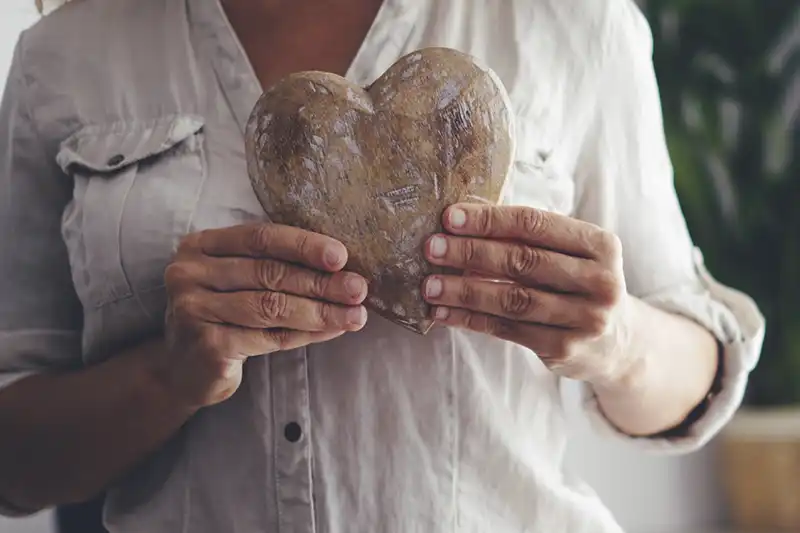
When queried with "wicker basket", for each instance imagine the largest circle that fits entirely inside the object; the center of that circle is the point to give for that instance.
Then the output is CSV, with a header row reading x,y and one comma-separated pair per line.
x,y
761,469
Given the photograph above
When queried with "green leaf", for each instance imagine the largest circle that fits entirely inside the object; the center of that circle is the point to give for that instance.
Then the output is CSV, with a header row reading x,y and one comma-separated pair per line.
x,y
729,71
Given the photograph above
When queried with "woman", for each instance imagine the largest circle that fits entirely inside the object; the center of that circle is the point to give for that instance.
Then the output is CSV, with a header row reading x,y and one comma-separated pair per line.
x,y
215,373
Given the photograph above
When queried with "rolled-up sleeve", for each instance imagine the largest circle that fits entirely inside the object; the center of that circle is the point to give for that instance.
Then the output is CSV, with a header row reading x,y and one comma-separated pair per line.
x,y
40,314
625,183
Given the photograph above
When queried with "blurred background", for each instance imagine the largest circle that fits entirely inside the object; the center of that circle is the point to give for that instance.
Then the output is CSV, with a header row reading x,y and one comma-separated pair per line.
x,y
729,72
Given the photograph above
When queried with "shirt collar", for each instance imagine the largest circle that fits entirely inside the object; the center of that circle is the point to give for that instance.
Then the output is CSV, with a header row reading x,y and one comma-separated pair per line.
x,y
213,32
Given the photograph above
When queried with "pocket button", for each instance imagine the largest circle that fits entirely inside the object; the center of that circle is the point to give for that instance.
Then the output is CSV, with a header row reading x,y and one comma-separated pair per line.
x,y
115,160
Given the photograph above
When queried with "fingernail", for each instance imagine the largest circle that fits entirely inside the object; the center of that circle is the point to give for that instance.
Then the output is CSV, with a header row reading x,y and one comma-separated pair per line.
x,y
441,313
334,256
354,286
357,316
458,218
433,288
438,247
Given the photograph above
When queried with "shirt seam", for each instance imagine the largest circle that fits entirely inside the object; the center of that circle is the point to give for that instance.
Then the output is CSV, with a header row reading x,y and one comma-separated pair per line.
x,y
455,451
26,108
187,490
308,439
609,44
275,452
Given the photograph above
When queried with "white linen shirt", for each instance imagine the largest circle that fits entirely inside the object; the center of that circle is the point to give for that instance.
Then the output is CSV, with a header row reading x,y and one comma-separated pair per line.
x,y
121,131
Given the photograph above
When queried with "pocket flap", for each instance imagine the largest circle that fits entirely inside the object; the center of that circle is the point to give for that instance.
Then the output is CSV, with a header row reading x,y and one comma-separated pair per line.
x,y
106,148
538,182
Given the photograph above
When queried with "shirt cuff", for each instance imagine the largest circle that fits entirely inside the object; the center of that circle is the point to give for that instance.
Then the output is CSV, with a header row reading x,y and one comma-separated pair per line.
x,y
9,378
737,323
10,511
27,352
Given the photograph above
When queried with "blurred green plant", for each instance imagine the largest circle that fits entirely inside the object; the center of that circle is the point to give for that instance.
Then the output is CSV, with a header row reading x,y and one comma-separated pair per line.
x,y
730,82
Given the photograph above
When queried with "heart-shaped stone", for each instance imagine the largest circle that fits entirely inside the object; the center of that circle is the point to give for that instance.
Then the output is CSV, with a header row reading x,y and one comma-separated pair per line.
x,y
375,168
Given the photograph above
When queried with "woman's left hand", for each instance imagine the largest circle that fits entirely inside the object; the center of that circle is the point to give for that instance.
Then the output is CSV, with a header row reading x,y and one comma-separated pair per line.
x,y
546,281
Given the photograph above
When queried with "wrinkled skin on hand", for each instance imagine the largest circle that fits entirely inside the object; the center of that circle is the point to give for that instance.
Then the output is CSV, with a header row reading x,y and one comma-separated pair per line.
x,y
546,281
251,290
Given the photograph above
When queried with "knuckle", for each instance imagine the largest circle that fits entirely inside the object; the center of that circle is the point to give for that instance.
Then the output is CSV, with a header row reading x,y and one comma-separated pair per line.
x,y
499,327
319,285
269,344
271,274
325,314
469,251
266,340
609,245
531,221
474,322
516,301
281,338
596,321
467,294
523,261
186,305
484,222
260,238
303,245
607,288
189,243
178,274
273,306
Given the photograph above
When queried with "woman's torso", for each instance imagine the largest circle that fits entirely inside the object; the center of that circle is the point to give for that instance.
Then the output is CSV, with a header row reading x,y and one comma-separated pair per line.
x,y
143,103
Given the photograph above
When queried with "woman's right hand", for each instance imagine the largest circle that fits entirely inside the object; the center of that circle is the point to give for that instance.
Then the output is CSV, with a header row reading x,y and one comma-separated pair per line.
x,y
251,290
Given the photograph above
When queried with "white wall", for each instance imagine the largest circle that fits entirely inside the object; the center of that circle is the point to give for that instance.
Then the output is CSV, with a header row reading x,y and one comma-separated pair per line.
x,y
14,15
648,494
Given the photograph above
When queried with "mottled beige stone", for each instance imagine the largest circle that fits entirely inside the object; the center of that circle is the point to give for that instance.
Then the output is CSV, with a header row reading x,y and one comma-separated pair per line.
x,y
376,167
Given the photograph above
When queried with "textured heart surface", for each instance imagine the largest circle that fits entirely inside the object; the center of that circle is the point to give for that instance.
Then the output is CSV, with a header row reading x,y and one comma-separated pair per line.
x,y
375,168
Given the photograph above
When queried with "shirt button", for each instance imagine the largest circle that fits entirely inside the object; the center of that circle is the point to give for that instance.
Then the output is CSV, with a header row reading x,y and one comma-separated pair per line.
x,y
115,160
293,432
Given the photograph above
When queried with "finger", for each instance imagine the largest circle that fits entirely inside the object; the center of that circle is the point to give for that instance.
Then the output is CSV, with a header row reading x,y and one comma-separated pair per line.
x,y
552,345
269,309
247,342
485,275
534,227
495,326
275,241
536,267
228,274
512,301
547,342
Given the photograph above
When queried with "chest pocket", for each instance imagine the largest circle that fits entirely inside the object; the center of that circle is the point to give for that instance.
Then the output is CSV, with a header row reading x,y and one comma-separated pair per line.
x,y
136,188
535,180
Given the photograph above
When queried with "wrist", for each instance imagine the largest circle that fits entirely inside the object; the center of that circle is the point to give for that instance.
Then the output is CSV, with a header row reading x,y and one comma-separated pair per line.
x,y
157,384
628,374
674,361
